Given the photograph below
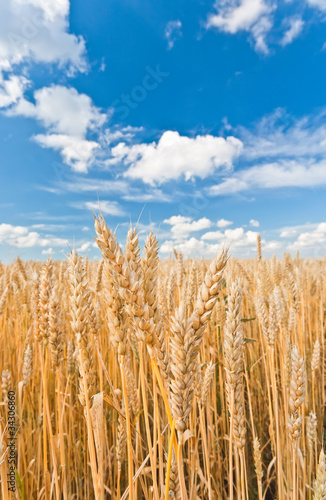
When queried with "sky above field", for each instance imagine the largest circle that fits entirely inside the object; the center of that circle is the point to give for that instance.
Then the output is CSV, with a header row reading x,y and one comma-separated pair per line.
x,y
204,121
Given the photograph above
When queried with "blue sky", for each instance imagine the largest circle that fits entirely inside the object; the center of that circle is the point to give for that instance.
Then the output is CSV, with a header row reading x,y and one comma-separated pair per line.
x,y
207,121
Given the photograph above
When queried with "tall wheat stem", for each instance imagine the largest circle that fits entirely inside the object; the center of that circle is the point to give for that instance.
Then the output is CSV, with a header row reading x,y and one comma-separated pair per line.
x,y
148,431
129,443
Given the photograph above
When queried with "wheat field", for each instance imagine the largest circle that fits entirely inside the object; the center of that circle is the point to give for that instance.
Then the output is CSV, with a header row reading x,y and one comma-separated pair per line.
x,y
136,378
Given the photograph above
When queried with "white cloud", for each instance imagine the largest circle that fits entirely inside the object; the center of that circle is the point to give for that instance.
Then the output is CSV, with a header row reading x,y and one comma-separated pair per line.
x,y
175,156
280,152
252,16
89,185
254,223
182,226
125,189
48,251
271,245
38,30
288,233
62,110
84,247
286,173
11,89
259,32
20,236
115,134
310,239
173,32
237,239
256,18
295,27
319,4
314,240
141,196
85,228
78,153
68,116
279,135
224,223
213,236
104,206
234,16
190,247
181,237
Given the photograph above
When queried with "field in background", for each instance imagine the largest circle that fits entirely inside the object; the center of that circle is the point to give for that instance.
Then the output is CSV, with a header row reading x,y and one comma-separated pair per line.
x,y
136,378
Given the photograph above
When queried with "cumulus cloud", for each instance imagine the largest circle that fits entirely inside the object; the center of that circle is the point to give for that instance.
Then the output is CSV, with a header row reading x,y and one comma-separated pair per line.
x,y
224,223
21,237
315,240
238,237
181,237
253,16
211,242
175,156
78,153
295,27
254,223
271,245
310,239
190,248
173,31
182,227
62,110
38,30
213,236
234,16
67,131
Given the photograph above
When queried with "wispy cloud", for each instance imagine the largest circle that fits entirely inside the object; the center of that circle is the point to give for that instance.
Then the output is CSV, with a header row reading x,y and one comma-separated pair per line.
x,y
125,189
285,173
173,31
318,4
105,206
294,29
89,185
280,152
